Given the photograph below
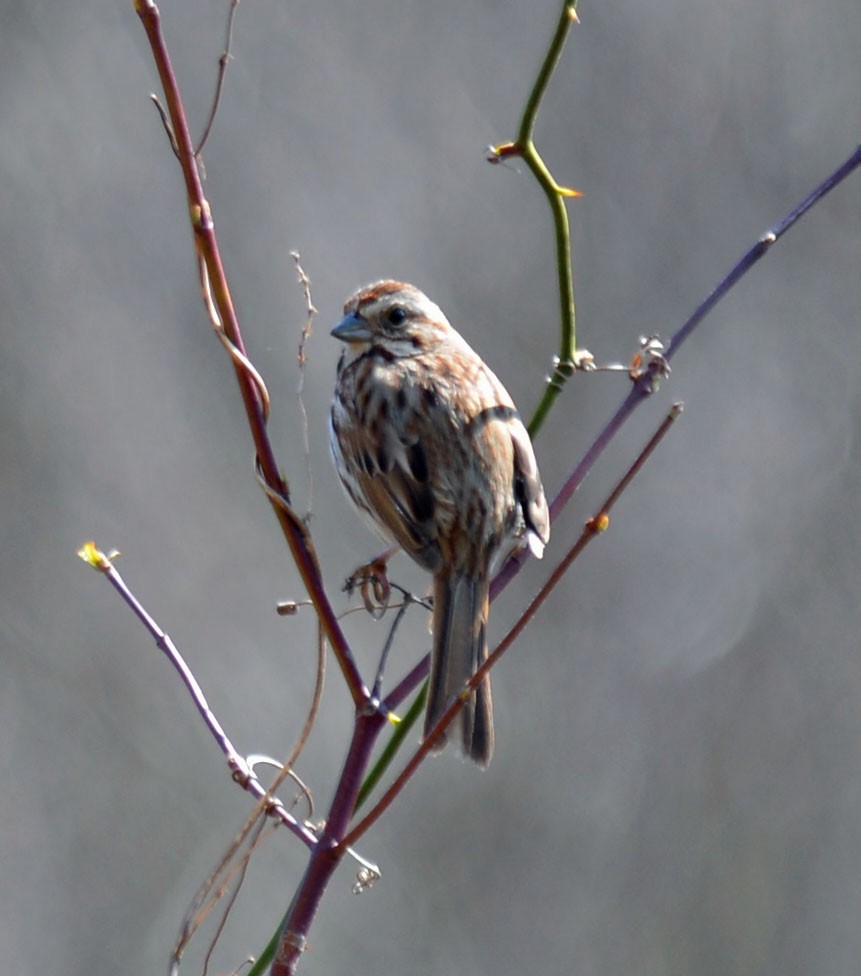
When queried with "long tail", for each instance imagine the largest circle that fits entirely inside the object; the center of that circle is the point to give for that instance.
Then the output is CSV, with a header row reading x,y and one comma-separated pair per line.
x,y
460,607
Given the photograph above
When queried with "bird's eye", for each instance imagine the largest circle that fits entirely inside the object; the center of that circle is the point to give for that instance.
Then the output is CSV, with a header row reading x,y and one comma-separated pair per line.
x,y
396,315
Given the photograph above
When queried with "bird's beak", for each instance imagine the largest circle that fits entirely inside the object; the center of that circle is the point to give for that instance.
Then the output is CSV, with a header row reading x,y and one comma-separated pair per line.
x,y
352,328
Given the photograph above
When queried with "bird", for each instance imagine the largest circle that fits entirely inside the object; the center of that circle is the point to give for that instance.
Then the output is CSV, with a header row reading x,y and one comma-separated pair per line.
x,y
431,450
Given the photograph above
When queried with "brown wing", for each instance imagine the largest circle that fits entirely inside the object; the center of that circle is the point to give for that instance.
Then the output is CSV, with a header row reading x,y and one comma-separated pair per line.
x,y
385,447
504,440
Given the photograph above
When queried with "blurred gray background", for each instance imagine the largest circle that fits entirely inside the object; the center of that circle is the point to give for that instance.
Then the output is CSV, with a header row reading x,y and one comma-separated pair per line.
x,y
677,786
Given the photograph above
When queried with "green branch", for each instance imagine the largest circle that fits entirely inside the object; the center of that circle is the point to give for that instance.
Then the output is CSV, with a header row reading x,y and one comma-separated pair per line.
x,y
568,358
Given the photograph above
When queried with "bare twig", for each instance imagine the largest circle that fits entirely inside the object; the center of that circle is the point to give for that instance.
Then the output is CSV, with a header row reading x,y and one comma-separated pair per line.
x,y
307,329
240,771
242,870
761,247
233,864
165,121
223,61
409,600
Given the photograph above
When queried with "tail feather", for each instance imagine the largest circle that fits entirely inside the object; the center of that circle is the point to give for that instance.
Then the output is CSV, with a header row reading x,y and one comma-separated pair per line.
x,y
459,647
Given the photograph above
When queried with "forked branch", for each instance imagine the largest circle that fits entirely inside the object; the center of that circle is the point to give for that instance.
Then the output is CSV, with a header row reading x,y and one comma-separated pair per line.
x,y
213,273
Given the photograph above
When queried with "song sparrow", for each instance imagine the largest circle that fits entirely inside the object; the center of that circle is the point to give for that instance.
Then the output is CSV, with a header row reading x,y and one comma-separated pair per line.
x,y
430,448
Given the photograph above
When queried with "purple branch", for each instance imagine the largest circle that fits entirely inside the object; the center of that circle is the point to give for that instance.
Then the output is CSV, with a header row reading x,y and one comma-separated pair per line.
x,y
328,852
239,768
645,384
760,248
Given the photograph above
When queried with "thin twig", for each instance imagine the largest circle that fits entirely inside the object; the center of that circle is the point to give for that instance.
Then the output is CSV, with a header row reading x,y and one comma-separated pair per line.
x,y
231,900
202,902
165,121
232,864
761,247
240,771
409,600
223,61
307,329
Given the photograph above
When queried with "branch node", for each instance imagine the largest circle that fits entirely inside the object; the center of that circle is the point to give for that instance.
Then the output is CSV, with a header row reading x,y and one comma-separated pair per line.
x,y
294,941
598,523
201,215
497,154
165,121
96,558
649,365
